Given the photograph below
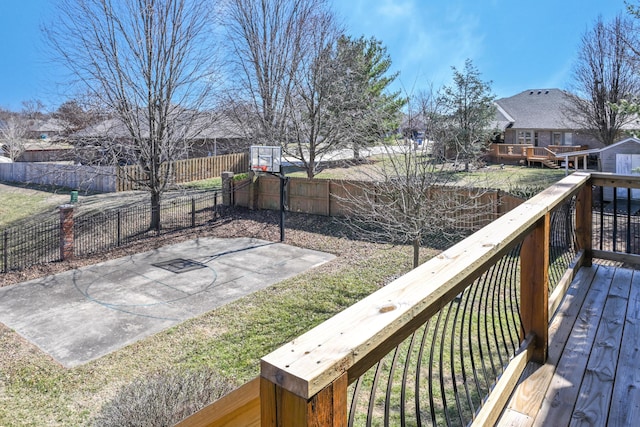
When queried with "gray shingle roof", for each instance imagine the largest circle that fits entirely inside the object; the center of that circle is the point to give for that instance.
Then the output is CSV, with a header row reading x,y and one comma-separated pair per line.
x,y
202,126
535,109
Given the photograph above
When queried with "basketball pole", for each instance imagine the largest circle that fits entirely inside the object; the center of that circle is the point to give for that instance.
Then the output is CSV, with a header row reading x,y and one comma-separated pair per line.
x,y
262,158
283,183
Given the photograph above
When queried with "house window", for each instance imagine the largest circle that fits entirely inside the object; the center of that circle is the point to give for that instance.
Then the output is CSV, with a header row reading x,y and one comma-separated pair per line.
x,y
535,139
568,138
560,138
525,137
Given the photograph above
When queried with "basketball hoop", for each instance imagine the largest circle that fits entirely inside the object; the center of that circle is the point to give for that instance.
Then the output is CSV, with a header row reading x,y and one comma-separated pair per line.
x,y
265,159
259,168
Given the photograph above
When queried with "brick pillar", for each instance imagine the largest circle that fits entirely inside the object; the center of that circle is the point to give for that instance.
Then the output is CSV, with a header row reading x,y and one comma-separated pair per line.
x,y
227,188
66,231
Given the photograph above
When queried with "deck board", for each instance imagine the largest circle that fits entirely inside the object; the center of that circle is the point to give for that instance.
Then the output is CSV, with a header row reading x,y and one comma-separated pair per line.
x,y
625,402
592,376
597,384
528,397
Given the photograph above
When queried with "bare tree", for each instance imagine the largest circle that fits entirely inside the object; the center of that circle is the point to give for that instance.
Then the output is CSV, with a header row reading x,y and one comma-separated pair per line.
x,y
312,129
149,63
77,114
14,129
603,76
267,39
33,109
408,198
470,108
339,96
429,110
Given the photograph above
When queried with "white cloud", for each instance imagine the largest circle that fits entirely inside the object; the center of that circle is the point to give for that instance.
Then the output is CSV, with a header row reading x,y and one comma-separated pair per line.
x,y
391,9
437,38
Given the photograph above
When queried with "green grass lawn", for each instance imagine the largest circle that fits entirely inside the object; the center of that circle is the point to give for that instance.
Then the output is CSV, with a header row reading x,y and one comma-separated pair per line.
x,y
516,179
17,203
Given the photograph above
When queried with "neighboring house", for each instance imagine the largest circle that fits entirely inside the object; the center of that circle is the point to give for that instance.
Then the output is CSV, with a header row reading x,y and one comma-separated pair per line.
x,y
538,117
211,136
49,128
46,151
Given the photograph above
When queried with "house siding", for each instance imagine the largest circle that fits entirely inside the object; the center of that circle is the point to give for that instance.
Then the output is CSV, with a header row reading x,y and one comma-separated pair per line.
x,y
545,137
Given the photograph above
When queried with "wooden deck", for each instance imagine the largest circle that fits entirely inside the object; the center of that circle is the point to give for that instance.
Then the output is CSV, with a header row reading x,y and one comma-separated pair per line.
x,y
592,375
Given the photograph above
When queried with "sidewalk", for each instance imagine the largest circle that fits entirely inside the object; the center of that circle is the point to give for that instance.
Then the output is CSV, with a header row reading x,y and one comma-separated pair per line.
x,y
83,314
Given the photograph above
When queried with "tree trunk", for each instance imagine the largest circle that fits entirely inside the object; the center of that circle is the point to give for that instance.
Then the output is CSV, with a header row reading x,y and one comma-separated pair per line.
x,y
155,211
311,164
356,151
416,251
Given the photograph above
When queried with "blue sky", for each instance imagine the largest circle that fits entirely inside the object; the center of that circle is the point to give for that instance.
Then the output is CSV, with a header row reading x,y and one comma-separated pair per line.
x,y
516,44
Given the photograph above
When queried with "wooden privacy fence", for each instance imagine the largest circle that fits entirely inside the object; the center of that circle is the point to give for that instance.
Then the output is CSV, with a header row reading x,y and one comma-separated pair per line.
x,y
326,197
79,177
107,179
187,170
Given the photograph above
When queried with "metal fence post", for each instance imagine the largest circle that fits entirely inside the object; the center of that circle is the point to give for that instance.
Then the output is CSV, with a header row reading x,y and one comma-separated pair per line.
x,y
119,227
193,212
5,251
215,205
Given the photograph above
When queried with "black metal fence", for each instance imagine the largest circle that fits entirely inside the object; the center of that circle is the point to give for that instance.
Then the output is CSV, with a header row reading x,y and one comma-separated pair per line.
x,y
442,373
21,247
616,220
100,231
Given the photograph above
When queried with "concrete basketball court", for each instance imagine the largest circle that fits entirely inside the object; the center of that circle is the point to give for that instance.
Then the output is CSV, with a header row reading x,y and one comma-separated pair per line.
x,y
83,314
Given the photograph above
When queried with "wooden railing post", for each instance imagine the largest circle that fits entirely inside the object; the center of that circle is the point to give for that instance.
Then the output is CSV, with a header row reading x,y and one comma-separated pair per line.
x,y
584,222
534,286
282,408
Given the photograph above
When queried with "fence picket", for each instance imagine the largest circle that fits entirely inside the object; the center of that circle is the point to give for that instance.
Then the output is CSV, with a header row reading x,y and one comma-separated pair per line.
x,y
187,170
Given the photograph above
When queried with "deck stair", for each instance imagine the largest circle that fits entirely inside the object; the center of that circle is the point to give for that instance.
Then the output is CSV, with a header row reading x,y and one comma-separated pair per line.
x,y
550,164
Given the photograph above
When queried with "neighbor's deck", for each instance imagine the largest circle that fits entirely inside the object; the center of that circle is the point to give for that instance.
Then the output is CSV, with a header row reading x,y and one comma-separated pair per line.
x,y
592,375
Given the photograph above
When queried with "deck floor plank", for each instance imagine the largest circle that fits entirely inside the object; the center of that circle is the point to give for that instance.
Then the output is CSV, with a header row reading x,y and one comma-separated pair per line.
x,y
592,407
563,392
625,402
529,395
592,375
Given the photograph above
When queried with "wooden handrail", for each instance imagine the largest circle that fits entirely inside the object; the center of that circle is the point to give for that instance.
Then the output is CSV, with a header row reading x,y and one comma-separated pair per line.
x,y
352,341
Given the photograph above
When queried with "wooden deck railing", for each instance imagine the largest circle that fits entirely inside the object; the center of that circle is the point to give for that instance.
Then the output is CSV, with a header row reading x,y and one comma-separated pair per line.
x,y
446,342
529,152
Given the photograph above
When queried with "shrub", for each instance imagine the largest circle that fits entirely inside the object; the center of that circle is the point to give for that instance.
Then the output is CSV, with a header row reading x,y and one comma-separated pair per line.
x,y
526,192
163,399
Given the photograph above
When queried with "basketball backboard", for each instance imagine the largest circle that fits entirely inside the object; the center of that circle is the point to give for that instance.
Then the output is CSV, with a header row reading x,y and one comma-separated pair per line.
x,y
264,158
